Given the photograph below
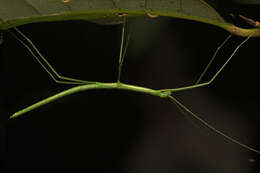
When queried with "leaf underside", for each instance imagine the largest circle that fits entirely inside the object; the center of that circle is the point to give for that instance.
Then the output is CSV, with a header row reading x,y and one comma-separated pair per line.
x,y
19,12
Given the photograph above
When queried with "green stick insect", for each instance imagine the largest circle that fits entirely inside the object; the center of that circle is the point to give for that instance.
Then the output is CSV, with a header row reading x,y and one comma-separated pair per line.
x,y
82,85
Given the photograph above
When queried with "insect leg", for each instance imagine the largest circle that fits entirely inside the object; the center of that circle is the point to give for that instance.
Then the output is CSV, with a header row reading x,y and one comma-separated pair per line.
x,y
122,50
114,3
147,11
213,58
45,64
216,74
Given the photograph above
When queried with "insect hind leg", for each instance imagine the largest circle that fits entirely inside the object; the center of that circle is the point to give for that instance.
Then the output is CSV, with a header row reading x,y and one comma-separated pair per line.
x,y
45,64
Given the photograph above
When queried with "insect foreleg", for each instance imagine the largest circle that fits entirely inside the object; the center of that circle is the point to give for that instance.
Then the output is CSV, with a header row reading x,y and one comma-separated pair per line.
x,y
212,59
216,74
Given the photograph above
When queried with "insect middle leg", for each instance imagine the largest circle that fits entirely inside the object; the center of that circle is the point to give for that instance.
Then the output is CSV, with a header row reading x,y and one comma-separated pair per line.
x,y
147,11
45,64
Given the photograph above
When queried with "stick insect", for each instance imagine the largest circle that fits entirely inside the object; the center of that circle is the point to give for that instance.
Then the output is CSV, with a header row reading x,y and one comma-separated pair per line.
x,y
82,85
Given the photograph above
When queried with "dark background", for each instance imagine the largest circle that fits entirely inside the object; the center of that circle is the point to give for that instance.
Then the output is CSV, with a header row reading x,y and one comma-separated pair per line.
x,y
120,131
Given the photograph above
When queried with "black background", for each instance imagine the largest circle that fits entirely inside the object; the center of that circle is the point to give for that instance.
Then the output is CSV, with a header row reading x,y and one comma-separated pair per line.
x,y
120,131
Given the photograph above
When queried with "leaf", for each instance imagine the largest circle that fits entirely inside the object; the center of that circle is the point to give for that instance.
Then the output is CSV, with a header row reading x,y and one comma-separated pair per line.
x,y
19,12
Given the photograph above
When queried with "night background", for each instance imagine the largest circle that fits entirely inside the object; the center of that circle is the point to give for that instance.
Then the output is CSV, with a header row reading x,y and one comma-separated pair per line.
x,y
128,132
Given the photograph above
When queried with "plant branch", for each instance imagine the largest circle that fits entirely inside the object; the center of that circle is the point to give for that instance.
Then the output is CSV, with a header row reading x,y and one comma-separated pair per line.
x,y
98,15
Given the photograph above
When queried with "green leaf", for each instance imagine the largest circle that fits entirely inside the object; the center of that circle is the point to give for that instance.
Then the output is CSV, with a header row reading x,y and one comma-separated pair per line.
x,y
19,12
